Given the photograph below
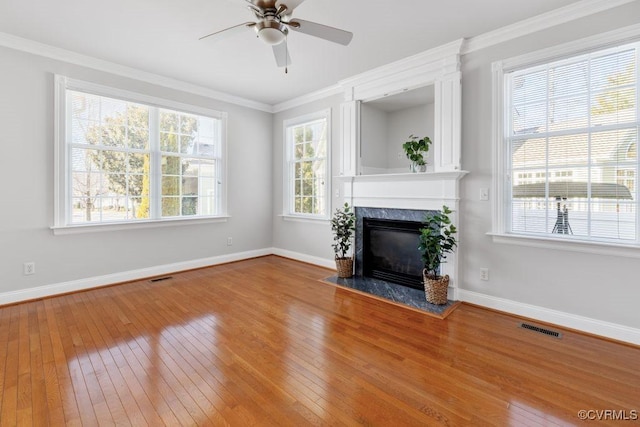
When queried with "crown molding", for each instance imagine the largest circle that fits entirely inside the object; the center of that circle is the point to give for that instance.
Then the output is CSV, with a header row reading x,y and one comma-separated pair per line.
x,y
307,98
59,54
540,22
432,58
537,23
613,37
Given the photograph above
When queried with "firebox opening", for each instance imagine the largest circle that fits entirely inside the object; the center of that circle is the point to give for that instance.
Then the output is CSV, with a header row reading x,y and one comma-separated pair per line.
x,y
391,251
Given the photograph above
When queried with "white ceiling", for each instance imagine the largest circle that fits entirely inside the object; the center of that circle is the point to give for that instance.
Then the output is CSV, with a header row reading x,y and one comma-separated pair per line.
x,y
161,36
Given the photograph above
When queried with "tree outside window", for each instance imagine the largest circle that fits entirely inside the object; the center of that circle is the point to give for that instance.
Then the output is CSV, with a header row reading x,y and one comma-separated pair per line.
x,y
306,140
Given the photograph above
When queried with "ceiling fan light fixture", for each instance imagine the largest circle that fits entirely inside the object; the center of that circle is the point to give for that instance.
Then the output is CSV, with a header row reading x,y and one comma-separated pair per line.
x,y
271,32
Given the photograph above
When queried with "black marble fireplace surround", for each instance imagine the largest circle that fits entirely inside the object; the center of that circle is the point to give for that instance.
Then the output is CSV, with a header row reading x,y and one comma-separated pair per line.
x,y
404,264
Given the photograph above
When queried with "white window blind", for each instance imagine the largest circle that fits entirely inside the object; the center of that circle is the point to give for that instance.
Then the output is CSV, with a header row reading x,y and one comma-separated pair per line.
x,y
572,132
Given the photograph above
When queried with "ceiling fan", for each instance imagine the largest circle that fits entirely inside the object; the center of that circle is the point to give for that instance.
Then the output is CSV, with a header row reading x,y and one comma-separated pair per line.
x,y
273,24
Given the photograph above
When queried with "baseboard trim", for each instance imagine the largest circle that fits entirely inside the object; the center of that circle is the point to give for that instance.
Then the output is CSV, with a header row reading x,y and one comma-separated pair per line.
x,y
309,259
580,323
22,295
592,326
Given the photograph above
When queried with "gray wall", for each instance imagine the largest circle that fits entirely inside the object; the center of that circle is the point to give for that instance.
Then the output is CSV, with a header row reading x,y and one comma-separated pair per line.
x,y
382,134
374,139
308,237
599,287
416,121
596,286
26,168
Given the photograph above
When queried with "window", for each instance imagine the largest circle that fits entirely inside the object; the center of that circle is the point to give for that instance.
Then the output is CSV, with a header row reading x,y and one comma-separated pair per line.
x,y
125,157
568,147
307,147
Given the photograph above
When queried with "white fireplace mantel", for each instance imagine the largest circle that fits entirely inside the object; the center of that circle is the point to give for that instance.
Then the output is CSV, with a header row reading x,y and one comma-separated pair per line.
x,y
416,191
425,191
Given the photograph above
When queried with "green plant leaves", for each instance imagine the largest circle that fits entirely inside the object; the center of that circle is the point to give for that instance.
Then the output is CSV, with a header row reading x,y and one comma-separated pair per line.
x,y
343,227
437,239
415,147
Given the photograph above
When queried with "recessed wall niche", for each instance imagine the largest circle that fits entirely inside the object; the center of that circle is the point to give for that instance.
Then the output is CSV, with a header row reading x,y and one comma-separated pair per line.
x,y
387,122
374,124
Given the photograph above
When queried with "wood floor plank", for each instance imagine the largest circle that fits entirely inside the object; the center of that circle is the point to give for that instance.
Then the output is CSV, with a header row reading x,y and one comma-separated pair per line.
x,y
148,388
65,387
110,355
8,415
38,384
54,402
5,322
24,415
77,387
94,363
265,342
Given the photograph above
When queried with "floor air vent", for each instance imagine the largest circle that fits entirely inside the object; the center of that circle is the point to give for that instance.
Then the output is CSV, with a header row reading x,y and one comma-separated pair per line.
x,y
541,330
160,279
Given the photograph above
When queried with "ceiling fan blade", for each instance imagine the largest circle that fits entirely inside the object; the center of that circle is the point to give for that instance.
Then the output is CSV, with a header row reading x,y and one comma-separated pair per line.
x,y
291,4
281,54
322,31
218,35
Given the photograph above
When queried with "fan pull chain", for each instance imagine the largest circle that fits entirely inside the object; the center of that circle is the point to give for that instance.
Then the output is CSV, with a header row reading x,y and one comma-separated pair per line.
x,y
286,54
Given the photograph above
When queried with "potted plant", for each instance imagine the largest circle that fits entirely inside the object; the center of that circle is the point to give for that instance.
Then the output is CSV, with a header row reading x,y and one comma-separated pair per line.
x,y
436,241
343,227
415,149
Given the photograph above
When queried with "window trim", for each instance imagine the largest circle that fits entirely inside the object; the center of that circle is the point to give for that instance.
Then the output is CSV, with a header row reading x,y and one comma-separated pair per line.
x,y
287,212
500,161
62,173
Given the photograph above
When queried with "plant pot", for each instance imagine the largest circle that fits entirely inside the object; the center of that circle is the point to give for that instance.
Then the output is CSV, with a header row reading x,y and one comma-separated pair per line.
x,y
344,267
435,288
415,167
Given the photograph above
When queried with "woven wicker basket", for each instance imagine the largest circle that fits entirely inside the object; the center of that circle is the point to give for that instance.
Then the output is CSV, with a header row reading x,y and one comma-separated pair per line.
x,y
435,289
344,267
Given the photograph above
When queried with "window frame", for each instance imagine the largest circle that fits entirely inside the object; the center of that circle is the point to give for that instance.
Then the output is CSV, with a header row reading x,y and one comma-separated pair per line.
x,y
288,170
501,183
63,146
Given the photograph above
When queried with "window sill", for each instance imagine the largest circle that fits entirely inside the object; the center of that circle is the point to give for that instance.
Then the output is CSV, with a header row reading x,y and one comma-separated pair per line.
x,y
598,248
115,226
309,219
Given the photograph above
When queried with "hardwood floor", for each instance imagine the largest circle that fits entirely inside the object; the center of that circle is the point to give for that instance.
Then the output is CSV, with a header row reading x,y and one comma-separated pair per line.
x,y
263,342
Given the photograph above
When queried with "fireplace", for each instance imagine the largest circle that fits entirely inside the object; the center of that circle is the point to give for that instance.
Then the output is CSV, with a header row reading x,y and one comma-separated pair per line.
x,y
386,244
390,251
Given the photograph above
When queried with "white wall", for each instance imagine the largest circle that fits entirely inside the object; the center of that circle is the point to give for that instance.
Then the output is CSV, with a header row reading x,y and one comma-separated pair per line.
x,y
600,287
26,169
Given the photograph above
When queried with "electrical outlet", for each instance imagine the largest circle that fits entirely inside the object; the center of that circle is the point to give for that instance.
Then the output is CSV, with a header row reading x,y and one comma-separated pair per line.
x,y
229,241
484,194
29,268
400,154
484,273
337,193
